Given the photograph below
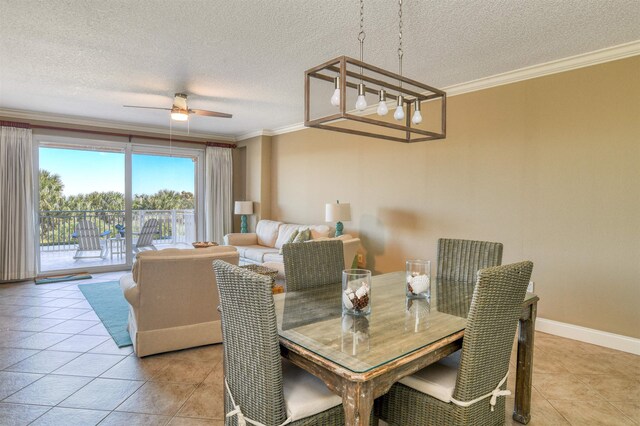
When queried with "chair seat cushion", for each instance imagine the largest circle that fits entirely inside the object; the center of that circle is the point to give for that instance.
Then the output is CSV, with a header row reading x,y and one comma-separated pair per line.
x,y
437,380
305,394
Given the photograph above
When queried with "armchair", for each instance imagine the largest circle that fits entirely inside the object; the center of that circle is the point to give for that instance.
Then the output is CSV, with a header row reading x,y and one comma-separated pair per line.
x,y
173,298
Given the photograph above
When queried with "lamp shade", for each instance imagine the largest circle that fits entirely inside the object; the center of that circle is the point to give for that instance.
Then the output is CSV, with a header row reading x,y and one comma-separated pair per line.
x,y
243,207
337,212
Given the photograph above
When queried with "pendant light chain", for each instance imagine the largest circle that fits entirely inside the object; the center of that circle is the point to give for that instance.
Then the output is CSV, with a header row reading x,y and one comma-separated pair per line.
x,y
400,52
361,34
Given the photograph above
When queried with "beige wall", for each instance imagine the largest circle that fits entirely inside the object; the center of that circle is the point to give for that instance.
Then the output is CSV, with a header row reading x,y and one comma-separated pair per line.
x,y
549,166
257,184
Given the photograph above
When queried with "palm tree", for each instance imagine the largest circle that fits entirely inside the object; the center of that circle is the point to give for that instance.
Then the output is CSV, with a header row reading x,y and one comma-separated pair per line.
x,y
51,188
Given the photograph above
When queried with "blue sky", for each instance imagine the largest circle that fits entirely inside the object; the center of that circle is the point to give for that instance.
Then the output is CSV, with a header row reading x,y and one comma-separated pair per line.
x,y
88,171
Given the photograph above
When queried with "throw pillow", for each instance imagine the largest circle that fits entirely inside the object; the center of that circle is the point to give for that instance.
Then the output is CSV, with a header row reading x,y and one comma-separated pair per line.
x,y
303,236
293,236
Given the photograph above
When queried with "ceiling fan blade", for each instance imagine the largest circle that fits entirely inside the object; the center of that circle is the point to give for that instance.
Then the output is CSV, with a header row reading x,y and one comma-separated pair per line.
x,y
210,113
146,107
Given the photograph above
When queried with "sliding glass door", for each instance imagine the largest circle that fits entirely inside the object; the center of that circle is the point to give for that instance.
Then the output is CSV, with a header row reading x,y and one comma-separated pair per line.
x,y
164,191
82,204
102,202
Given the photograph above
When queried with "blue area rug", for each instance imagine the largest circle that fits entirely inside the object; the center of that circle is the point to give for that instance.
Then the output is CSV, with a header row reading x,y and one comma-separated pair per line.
x,y
111,307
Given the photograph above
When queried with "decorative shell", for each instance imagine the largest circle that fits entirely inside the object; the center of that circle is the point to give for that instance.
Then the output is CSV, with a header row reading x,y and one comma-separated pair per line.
x,y
419,284
357,300
362,290
346,300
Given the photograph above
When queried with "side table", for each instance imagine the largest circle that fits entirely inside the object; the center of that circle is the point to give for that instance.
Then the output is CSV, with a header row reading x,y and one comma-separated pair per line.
x,y
119,246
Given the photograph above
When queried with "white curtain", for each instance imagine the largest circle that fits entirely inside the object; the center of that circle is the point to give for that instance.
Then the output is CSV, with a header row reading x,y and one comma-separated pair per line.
x,y
218,193
17,210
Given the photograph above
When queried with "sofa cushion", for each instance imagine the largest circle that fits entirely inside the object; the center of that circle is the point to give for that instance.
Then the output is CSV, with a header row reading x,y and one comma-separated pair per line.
x,y
242,250
273,258
291,239
285,232
256,253
304,235
267,231
317,231
175,252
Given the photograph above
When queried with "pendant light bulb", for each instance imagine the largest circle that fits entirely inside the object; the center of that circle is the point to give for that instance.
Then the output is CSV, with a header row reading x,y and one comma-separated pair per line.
x,y
361,102
417,116
399,114
382,105
335,99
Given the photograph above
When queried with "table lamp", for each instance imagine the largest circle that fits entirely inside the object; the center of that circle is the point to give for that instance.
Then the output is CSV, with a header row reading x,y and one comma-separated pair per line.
x,y
336,213
244,208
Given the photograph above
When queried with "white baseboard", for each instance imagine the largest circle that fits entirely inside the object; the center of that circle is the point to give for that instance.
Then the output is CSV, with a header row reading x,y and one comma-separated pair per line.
x,y
589,335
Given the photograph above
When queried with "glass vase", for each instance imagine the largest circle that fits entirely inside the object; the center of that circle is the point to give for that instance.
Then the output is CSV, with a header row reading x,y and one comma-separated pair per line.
x,y
419,279
356,291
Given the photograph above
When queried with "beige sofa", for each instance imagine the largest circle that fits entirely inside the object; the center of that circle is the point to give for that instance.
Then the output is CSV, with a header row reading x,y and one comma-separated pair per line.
x,y
173,299
263,246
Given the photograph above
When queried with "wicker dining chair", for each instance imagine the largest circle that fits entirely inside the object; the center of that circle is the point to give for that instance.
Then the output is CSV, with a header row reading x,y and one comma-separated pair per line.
x,y
458,265
313,264
258,384
468,387
460,260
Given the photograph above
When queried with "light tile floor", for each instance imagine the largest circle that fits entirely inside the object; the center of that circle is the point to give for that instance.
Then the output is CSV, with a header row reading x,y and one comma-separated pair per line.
x,y
59,366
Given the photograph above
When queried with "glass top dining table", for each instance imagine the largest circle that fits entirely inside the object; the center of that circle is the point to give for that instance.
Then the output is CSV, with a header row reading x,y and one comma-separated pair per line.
x,y
396,326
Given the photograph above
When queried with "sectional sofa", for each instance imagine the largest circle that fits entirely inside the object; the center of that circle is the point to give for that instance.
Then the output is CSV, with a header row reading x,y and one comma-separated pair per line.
x,y
263,246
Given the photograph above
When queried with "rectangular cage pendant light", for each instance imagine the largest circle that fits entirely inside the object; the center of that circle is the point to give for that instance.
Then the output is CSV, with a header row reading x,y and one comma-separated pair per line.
x,y
339,114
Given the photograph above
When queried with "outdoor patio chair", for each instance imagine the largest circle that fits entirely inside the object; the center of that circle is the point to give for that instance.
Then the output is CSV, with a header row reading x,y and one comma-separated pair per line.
x,y
259,385
313,264
145,237
90,240
469,386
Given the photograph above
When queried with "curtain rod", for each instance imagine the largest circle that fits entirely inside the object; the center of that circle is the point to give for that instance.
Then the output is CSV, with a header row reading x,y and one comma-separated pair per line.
x,y
104,133
14,124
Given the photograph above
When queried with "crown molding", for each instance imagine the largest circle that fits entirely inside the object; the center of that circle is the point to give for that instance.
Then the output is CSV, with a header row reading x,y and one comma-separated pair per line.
x,y
256,133
277,131
561,65
81,121
608,54
288,129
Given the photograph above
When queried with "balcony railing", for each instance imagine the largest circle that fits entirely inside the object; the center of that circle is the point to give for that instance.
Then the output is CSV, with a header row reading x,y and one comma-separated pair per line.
x,y
57,227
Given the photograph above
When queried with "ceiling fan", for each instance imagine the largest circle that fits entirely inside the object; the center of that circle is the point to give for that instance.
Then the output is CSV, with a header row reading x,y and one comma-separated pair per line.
x,y
180,111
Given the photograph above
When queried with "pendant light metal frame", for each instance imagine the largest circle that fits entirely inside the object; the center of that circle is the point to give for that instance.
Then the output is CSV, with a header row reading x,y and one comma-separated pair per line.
x,y
405,98
351,79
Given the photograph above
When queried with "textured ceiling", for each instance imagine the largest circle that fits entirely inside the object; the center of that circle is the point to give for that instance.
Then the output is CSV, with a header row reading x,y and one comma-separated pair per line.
x,y
247,57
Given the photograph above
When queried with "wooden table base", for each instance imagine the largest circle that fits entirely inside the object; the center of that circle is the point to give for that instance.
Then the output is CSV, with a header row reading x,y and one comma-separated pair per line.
x,y
524,369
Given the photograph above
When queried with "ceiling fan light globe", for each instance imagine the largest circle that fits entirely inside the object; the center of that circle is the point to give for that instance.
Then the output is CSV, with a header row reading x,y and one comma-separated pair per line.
x,y
179,115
